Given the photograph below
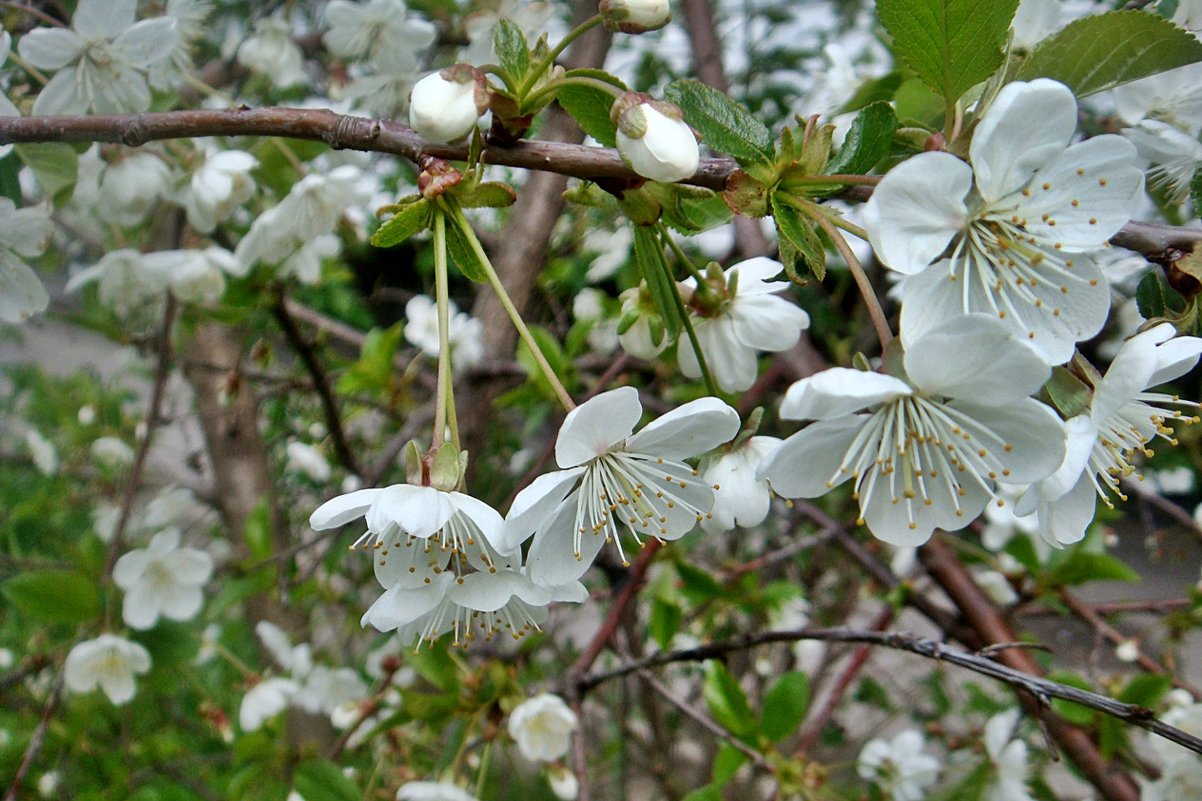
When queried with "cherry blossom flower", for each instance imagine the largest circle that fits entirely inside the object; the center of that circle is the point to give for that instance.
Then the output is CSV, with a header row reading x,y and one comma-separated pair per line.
x,y
1181,775
264,701
899,765
23,233
307,460
737,316
125,282
379,30
613,478
270,52
108,662
466,332
635,16
1174,156
530,17
640,330
445,105
654,139
219,184
432,791
1173,97
162,579
1123,418
741,499
108,53
436,554
542,726
924,451
1009,758
1009,235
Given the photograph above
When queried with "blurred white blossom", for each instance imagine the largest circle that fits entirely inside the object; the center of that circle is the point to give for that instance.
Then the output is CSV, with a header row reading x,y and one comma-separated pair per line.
x,y
162,579
108,662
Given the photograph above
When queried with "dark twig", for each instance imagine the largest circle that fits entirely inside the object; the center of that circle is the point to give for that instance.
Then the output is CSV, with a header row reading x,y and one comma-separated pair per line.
x,y
1039,687
37,739
321,382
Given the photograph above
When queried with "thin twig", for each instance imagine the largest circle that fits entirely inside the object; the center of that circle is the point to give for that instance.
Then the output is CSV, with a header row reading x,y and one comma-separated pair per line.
x,y
321,383
37,739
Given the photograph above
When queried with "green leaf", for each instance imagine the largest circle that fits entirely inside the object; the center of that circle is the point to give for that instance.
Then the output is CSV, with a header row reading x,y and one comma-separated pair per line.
x,y
689,209
1195,192
799,241
373,371
411,219
436,666
257,532
1146,689
784,705
1074,713
727,762
59,596
54,164
697,584
724,125
867,141
1105,50
512,49
590,106
664,622
952,44
464,255
319,780
1080,566
490,194
709,792
649,255
726,700
1070,394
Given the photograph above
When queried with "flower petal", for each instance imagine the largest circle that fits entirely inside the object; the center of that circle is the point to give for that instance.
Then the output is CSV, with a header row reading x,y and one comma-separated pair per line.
x,y
889,520
488,592
1033,437
1064,521
975,356
597,426
534,504
23,293
551,560
50,48
916,210
756,276
698,426
767,322
397,607
103,19
806,465
1025,127
146,42
486,518
839,391
343,509
419,511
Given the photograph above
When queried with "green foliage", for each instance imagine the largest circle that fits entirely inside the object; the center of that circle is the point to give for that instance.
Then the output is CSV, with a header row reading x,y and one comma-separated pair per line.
x,y
319,780
512,50
1102,51
952,44
798,241
784,705
464,254
867,140
410,219
373,371
649,256
724,125
1155,298
1079,565
589,106
726,700
57,596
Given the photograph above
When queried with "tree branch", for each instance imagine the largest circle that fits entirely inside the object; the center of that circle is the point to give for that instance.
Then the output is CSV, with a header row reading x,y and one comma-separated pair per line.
x,y
1041,688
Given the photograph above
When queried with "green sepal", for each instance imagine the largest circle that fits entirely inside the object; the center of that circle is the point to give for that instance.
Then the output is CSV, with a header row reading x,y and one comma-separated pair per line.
x,y
803,244
745,195
412,456
689,209
446,468
512,51
490,194
1068,393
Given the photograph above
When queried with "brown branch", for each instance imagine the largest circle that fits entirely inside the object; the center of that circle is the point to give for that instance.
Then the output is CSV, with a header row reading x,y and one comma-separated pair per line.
x,y
1036,686
321,383
37,739
987,627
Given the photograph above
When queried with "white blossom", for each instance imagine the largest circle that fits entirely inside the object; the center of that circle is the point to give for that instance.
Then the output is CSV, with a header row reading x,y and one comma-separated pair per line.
x,y
42,451
265,700
1009,758
542,726
530,17
635,16
126,281
1173,156
108,662
740,498
931,447
162,579
48,783
656,142
736,319
130,189
378,30
112,452
465,332
1010,235
432,791
899,766
23,233
611,477
1173,97
308,461
219,184
1122,419
445,105
270,52
108,53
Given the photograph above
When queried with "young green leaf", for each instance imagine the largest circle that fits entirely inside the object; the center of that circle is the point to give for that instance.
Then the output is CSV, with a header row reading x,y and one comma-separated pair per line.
x,y
726,700
512,49
952,44
59,596
798,234
784,705
649,255
724,125
320,780
589,105
459,245
867,141
1105,50
410,220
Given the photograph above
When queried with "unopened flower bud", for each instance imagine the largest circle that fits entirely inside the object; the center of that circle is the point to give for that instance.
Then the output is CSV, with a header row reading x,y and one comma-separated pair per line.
x,y
635,16
654,140
445,106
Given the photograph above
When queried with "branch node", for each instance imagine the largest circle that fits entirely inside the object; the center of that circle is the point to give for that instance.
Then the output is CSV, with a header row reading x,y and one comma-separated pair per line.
x,y
134,134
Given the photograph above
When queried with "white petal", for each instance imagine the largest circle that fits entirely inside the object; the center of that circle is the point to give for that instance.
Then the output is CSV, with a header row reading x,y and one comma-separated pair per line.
x,y
1080,435
21,291
731,363
893,523
189,566
488,592
1032,430
397,607
839,391
534,504
343,509
1175,358
119,687
975,356
60,96
768,322
806,465
130,567
1065,520
420,511
104,19
916,210
50,48
1128,374
756,276
140,607
184,604
551,560
698,426
597,425
1024,128
486,518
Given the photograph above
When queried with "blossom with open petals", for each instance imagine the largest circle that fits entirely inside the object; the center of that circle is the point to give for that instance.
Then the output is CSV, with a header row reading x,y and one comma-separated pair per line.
x,y
1009,235
926,451
899,765
101,60
432,791
1009,757
739,315
162,579
542,726
108,662
23,233
270,52
612,477
741,497
379,30
438,558
1123,418
219,184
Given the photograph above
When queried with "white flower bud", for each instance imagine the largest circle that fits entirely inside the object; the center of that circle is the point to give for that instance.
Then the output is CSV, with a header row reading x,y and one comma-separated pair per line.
x,y
445,106
656,142
542,727
635,16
